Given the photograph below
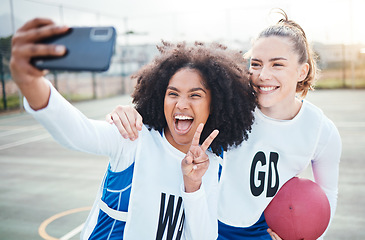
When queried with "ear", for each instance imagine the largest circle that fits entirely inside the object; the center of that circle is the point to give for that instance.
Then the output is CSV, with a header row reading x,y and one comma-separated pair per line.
x,y
303,71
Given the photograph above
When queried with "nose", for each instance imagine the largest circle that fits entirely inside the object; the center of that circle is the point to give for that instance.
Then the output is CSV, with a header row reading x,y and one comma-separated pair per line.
x,y
182,103
265,74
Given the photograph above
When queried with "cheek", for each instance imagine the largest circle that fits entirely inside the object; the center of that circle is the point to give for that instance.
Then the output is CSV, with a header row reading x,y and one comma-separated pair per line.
x,y
204,111
254,75
168,107
290,79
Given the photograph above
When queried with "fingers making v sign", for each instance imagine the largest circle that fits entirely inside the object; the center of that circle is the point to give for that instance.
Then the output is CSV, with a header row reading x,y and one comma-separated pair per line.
x,y
196,161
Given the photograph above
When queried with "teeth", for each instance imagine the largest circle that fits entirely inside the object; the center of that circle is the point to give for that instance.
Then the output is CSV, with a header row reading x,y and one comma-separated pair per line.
x,y
267,88
182,117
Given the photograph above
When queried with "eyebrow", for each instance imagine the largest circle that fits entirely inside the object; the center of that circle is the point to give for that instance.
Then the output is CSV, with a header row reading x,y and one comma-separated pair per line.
x,y
270,60
191,90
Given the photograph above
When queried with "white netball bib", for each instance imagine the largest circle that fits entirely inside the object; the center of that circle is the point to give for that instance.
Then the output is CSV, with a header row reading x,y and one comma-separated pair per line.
x,y
156,208
254,172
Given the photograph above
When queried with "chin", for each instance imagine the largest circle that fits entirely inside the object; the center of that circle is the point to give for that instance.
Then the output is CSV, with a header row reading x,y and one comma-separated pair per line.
x,y
183,140
265,102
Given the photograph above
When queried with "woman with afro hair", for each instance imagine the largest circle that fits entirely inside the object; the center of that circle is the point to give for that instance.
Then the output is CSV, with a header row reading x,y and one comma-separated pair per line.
x,y
224,72
164,184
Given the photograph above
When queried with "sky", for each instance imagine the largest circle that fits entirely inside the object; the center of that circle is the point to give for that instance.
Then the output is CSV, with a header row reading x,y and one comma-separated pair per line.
x,y
326,21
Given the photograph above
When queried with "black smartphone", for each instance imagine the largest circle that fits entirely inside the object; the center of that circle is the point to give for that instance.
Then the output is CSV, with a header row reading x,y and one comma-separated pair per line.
x,y
88,49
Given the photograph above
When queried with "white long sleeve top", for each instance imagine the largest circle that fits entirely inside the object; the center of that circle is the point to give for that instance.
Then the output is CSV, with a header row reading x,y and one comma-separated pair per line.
x,y
156,187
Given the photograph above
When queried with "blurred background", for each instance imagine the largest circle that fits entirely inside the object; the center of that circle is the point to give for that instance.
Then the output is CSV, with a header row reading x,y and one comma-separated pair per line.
x,y
47,190
333,27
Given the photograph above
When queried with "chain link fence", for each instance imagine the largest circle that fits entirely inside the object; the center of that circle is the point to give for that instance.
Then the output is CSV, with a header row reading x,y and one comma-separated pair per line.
x,y
342,66
76,86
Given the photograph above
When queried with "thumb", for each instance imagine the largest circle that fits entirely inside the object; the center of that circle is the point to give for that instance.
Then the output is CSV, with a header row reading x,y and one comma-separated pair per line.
x,y
188,159
139,123
109,118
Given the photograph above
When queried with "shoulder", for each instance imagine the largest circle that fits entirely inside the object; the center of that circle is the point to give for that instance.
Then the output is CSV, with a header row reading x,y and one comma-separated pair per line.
x,y
147,131
329,138
311,110
327,125
214,159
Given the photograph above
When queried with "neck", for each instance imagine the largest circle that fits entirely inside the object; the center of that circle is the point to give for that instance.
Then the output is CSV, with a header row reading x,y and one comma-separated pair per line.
x,y
283,112
181,147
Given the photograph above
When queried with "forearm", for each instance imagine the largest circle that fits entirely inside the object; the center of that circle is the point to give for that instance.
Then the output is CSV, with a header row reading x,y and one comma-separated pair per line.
x,y
201,215
325,167
71,128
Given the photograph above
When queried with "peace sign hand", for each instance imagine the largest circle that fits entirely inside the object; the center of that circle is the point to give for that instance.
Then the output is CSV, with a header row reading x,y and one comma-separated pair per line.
x,y
196,161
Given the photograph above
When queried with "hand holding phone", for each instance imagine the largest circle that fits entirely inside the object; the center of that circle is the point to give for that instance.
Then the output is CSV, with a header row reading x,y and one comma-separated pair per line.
x,y
88,49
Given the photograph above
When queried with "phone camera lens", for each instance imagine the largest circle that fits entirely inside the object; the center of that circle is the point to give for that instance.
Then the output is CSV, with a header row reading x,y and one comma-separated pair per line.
x,y
101,32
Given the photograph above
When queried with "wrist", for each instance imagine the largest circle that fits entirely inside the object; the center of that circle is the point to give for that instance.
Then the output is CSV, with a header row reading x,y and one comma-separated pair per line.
x,y
191,185
37,93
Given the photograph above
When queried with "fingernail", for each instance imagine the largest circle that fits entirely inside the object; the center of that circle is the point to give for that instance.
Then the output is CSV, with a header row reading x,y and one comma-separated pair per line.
x,y
60,49
64,27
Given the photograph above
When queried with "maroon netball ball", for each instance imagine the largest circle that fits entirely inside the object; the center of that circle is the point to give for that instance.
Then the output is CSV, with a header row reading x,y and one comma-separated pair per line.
x,y
300,210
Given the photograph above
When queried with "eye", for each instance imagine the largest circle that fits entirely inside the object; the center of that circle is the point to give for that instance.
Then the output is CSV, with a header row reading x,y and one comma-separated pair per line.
x,y
195,95
255,64
278,65
172,94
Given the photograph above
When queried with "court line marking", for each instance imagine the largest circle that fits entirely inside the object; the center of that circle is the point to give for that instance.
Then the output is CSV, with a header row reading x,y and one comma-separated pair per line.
x,y
350,124
73,232
24,141
9,131
42,228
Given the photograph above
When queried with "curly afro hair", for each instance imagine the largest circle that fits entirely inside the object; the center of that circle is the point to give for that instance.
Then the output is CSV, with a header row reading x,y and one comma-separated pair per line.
x,y
225,74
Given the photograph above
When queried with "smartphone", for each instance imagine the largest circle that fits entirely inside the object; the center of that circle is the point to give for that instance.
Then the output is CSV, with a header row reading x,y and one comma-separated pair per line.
x,y
88,49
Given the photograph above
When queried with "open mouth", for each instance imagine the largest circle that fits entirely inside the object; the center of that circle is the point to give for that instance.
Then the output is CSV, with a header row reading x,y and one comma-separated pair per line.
x,y
183,123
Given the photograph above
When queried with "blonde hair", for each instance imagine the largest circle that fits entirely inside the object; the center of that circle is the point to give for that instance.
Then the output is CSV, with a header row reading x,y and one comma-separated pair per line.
x,y
295,33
